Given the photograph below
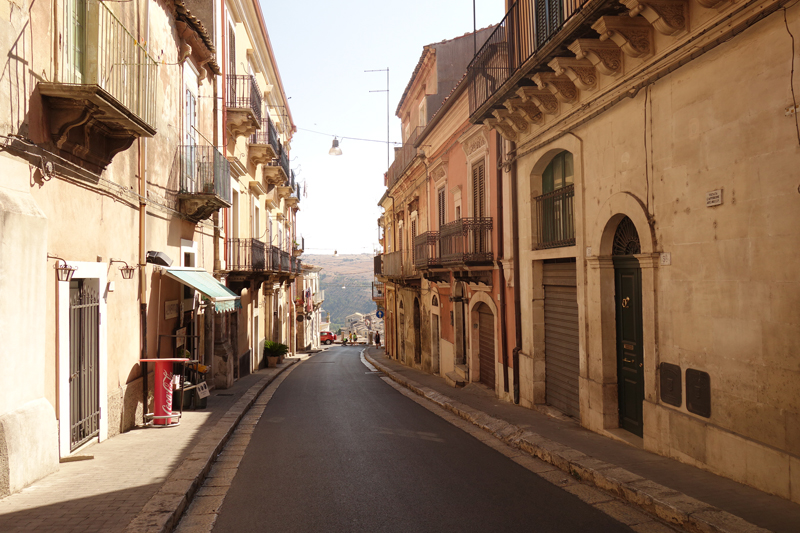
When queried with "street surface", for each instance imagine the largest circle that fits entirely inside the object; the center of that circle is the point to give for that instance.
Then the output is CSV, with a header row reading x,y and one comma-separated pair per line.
x,y
339,449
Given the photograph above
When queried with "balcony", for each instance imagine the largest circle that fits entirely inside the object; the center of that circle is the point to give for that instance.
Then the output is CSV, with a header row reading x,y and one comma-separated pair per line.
x,y
378,264
425,250
467,241
318,298
299,247
294,197
403,157
247,255
378,292
399,265
243,104
497,68
204,181
277,172
555,215
264,143
103,96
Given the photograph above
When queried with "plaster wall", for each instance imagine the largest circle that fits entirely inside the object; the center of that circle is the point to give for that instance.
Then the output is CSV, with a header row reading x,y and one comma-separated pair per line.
x,y
725,299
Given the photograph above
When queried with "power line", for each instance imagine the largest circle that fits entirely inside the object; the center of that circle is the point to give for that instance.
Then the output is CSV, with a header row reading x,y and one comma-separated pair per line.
x,y
349,138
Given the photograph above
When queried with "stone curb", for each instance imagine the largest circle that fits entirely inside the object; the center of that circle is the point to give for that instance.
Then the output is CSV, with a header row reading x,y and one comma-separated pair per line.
x,y
163,511
667,504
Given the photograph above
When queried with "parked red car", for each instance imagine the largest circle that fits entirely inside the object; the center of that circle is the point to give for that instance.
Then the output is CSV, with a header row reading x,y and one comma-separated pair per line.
x,y
326,337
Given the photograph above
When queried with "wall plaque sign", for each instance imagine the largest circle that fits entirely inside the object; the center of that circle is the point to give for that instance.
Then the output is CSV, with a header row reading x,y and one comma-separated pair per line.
x,y
714,198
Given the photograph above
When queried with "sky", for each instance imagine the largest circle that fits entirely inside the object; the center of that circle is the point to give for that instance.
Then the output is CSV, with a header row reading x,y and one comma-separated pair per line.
x,y
322,49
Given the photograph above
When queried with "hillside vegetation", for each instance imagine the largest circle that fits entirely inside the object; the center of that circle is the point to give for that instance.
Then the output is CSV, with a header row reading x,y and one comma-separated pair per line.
x,y
347,282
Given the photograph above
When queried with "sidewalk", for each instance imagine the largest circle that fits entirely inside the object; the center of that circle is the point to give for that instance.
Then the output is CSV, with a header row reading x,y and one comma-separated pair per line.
x,y
141,480
678,493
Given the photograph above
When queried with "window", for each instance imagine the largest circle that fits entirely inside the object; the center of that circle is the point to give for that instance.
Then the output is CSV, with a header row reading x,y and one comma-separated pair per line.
x,y
74,40
548,19
479,189
423,113
231,50
442,201
554,207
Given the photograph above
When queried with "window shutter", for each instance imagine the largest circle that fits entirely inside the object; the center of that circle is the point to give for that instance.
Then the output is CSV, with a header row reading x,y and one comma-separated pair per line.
x,y
441,207
479,190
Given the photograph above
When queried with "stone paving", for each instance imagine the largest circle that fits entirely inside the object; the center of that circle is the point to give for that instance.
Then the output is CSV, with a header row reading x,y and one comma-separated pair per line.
x,y
110,491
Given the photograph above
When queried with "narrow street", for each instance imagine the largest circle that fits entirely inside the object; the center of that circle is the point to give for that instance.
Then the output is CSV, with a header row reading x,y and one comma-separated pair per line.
x,y
339,449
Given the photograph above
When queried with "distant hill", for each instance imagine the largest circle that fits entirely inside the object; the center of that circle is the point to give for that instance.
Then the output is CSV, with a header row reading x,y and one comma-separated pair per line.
x,y
353,272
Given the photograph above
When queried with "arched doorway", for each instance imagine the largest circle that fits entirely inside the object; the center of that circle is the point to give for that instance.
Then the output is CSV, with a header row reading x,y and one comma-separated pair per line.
x,y
435,335
486,356
417,333
630,339
401,338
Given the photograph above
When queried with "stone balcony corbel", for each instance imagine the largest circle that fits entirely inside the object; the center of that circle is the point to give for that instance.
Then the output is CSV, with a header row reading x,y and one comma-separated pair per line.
x,y
711,4
527,109
580,71
668,17
560,85
544,100
506,131
605,56
514,120
633,35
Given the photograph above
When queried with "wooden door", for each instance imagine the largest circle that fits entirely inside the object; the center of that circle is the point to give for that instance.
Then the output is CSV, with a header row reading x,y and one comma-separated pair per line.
x,y
630,359
486,345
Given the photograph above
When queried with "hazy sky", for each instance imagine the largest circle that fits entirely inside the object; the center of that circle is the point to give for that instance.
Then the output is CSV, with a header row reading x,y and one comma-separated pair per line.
x,y
322,49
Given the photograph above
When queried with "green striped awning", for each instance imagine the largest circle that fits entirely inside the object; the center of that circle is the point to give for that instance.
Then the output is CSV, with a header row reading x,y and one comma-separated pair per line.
x,y
224,299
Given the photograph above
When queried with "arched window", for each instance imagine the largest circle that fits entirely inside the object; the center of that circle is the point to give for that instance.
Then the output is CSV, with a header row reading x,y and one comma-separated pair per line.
x,y
434,301
555,207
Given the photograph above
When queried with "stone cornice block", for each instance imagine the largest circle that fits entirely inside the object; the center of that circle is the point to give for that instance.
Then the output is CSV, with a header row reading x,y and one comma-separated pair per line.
x,y
544,100
560,85
527,109
633,35
502,128
514,120
606,56
669,17
581,72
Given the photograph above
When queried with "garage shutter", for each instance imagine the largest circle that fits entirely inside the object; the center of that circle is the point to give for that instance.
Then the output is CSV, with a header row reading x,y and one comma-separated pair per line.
x,y
486,345
561,337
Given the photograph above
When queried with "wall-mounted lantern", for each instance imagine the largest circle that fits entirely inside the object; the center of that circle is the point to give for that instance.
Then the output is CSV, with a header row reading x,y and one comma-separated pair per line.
x,y
64,272
127,271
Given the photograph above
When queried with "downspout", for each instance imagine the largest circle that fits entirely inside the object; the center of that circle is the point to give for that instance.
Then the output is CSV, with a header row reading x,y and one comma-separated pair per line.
x,y
142,170
515,240
500,257
394,245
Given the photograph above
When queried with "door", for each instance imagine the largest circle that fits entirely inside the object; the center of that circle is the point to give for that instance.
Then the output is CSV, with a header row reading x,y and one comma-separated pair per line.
x,y
401,340
561,342
417,333
630,360
486,345
84,360
435,344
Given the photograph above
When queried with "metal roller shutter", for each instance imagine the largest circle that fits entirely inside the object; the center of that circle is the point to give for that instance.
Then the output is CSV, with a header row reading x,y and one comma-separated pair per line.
x,y
486,345
561,337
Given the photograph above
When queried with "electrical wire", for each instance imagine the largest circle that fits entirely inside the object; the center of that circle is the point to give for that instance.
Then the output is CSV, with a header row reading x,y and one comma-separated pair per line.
x,y
348,138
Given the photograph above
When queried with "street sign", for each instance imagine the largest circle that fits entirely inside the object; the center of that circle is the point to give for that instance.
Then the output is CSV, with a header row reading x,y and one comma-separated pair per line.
x,y
379,314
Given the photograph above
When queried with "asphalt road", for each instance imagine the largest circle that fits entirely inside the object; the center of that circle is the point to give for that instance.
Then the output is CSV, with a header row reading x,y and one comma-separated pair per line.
x,y
338,449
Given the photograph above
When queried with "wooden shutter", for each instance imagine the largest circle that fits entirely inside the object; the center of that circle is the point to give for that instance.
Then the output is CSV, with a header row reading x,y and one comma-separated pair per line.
x,y
479,189
486,345
442,205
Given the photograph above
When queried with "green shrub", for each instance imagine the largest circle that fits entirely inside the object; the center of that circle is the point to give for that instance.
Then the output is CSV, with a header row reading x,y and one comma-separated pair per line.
x,y
275,349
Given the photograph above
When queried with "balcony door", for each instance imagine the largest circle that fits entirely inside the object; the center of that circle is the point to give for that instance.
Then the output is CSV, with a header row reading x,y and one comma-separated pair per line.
x,y
74,40
479,211
556,215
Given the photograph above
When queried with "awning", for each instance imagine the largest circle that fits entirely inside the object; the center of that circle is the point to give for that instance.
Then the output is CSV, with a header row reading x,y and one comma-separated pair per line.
x,y
224,299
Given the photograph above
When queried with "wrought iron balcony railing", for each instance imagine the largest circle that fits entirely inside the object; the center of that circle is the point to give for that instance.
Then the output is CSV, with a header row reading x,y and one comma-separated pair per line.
x,y
267,135
399,265
203,170
555,215
378,264
465,241
402,158
247,255
97,49
521,33
286,261
275,258
243,93
282,162
425,250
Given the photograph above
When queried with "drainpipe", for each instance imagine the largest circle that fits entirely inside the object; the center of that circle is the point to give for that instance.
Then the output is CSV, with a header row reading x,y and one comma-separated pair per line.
x,y
394,245
142,170
500,257
515,240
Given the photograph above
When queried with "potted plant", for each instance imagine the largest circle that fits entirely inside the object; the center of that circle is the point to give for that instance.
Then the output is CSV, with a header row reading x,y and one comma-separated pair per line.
x,y
274,352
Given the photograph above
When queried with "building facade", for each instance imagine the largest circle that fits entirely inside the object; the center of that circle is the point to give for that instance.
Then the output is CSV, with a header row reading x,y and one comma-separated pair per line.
x,y
657,300
119,175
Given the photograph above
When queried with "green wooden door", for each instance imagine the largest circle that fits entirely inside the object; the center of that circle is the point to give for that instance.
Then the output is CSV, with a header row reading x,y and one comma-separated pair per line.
x,y
630,363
